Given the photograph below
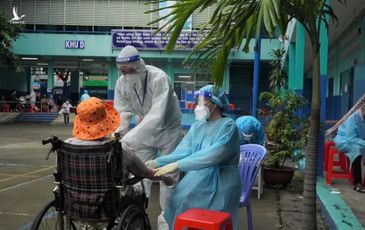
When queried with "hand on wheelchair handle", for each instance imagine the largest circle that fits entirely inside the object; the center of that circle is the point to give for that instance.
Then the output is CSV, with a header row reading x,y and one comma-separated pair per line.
x,y
50,139
152,164
117,135
172,167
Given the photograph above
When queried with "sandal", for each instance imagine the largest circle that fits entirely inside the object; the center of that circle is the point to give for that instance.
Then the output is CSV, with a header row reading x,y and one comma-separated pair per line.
x,y
359,188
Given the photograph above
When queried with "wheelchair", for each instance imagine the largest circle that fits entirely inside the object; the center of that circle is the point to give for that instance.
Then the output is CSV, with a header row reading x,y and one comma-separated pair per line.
x,y
92,190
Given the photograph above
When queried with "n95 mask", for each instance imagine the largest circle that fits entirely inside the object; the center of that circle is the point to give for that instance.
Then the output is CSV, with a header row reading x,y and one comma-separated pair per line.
x,y
201,112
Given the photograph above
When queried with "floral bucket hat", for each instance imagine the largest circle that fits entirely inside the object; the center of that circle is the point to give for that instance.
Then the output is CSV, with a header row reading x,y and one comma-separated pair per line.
x,y
95,119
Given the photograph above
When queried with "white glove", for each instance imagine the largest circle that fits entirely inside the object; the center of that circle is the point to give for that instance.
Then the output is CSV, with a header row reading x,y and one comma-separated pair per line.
x,y
172,167
152,164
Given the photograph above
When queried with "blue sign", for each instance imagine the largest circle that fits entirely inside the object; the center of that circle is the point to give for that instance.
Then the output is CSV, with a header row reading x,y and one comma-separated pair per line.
x,y
146,39
36,85
74,44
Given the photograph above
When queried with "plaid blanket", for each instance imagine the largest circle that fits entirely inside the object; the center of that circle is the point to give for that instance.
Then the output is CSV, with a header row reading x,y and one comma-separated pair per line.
x,y
87,177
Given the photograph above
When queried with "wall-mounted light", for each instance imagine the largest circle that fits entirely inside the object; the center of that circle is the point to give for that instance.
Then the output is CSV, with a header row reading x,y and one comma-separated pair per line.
x,y
30,58
42,63
184,77
87,59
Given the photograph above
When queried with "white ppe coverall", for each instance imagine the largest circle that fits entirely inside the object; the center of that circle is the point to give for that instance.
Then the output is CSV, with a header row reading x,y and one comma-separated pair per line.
x,y
350,137
148,94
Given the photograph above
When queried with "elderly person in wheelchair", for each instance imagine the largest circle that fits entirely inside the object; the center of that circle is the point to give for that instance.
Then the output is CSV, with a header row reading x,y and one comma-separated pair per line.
x,y
93,185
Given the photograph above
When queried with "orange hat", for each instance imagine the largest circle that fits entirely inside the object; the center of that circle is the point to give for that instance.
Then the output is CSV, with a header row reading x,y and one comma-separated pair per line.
x,y
95,119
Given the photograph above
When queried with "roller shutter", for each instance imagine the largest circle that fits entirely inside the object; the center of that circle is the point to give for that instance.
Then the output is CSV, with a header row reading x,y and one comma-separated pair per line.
x,y
57,10
72,12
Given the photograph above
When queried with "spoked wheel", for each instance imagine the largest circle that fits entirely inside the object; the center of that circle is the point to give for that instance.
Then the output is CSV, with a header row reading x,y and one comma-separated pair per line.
x,y
134,218
50,218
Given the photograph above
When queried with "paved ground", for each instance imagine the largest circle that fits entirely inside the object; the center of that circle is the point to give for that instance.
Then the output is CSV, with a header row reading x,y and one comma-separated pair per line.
x,y
355,200
26,179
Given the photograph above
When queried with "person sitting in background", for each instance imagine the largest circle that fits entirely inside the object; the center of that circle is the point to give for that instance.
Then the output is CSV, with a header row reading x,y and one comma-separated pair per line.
x,y
32,102
251,130
84,96
14,102
4,106
45,104
350,140
209,156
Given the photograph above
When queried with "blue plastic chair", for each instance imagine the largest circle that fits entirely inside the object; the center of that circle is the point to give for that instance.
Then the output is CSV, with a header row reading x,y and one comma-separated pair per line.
x,y
251,159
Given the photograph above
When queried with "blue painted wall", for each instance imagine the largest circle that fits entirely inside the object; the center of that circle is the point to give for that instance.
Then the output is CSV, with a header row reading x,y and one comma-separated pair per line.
x,y
359,81
346,62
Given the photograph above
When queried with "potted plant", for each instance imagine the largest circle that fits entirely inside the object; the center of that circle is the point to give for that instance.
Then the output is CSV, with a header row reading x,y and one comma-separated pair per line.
x,y
286,130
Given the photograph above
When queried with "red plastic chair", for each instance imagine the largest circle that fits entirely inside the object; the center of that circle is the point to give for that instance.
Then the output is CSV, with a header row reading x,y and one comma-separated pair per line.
x,y
5,108
329,162
190,105
231,106
342,159
196,218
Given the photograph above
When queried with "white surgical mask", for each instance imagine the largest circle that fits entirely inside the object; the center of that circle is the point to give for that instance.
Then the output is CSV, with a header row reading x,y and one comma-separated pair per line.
x,y
247,138
201,112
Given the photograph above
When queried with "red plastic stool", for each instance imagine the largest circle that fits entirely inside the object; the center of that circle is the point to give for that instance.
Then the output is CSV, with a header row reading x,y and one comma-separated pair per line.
x,y
196,218
342,160
330,162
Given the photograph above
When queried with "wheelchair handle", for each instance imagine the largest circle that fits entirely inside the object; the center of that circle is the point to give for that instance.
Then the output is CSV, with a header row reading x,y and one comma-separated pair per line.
x,y
51,139
117,136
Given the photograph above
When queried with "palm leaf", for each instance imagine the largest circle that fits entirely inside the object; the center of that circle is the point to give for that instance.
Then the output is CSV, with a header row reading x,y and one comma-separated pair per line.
x,y
235,22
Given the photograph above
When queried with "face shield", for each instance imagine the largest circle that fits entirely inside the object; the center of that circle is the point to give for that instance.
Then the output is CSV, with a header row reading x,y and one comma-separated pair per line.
x,y
203,98
126,66
129,61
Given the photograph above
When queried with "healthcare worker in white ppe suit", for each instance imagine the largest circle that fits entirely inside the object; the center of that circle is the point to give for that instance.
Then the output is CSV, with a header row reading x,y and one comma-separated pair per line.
x,y
146,92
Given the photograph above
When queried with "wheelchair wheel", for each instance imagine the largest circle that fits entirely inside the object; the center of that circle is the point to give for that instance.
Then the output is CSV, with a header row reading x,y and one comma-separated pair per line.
x,y
50,218
134,218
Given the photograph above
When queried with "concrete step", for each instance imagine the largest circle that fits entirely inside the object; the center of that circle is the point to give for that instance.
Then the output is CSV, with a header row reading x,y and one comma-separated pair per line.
x,y
59,119
37,117
8,117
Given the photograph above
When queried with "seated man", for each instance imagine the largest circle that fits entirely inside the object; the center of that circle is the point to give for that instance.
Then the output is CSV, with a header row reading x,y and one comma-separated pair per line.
x,y
94,122
84,96
251,129
350,140
209,156
45,104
